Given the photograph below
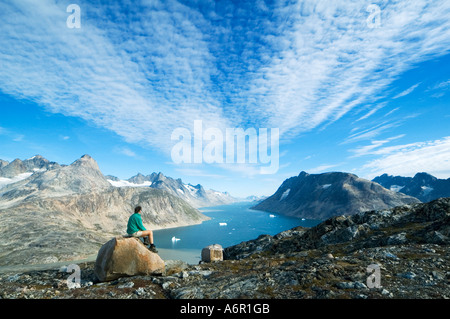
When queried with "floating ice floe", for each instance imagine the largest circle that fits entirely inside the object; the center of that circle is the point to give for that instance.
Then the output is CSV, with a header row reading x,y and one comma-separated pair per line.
x,y
222,224
272,216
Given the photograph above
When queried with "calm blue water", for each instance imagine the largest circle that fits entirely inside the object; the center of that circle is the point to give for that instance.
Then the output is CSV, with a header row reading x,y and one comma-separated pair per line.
x,y
229,225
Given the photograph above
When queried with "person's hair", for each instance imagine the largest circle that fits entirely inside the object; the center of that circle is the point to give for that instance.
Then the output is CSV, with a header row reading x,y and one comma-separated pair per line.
x,y
137,209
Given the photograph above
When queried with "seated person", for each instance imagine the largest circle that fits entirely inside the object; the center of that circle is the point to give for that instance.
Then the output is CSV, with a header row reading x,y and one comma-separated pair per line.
x,y
135,228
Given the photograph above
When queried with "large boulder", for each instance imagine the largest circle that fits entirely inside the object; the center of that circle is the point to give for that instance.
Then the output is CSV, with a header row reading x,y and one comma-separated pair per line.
x,y
122,257
212,253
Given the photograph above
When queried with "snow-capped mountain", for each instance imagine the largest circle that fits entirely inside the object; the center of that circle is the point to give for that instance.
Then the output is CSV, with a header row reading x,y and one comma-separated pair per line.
x,y
18,170
196,195
69,211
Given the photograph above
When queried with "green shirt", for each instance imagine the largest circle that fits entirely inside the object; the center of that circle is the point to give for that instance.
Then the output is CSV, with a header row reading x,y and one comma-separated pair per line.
x,y
135,224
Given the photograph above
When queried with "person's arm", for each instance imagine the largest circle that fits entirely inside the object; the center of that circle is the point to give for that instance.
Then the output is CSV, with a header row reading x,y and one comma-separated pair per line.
x,y
140,225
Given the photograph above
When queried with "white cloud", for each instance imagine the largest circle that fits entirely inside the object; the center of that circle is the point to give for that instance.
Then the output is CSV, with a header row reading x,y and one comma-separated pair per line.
x,y
431,156
330,61
372,132
391,111
322,168
442,85
162,64
18,138
126,151
407,91
372,111
374,147
139,86
440,89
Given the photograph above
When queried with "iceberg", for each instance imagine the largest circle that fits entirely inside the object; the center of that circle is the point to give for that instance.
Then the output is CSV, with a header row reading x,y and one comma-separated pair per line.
x,y
174,239
223,224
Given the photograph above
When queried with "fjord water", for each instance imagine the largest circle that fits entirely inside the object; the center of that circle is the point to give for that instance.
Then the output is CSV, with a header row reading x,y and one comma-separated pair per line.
x,y
229,225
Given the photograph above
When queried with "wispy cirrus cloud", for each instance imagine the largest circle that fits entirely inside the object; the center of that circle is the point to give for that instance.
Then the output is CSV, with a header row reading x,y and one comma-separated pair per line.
x,y
330,61
408,159
322,168
141,69
439,89
372,111
407,91
14,136
125,151
374,148
139,75
372,132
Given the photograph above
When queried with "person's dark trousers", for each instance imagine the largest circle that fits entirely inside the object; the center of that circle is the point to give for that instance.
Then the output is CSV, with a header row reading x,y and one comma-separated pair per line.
x,y
145,240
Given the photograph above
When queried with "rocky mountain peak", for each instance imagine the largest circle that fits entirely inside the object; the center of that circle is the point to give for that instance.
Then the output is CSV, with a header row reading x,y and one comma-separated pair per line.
x,y
85,160
196,195
3,163
160,176
37,158
139,179
424,178
31,165
303,174
52,179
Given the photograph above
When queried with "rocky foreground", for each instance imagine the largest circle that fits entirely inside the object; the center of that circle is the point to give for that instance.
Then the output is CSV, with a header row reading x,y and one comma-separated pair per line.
x,y
405,249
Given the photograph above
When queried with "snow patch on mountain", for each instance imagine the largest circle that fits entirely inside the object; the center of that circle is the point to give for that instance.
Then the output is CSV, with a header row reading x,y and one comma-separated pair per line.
x,y
6,181
396,188
285,194
124,183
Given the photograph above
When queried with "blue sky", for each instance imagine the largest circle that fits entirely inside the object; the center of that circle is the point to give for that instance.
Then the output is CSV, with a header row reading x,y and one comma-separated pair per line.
x,y
345,94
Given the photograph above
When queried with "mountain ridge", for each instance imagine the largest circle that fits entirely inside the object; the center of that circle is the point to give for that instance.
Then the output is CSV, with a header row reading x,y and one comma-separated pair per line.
x,y
18,170
320,196
68,212
196,195
423,186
